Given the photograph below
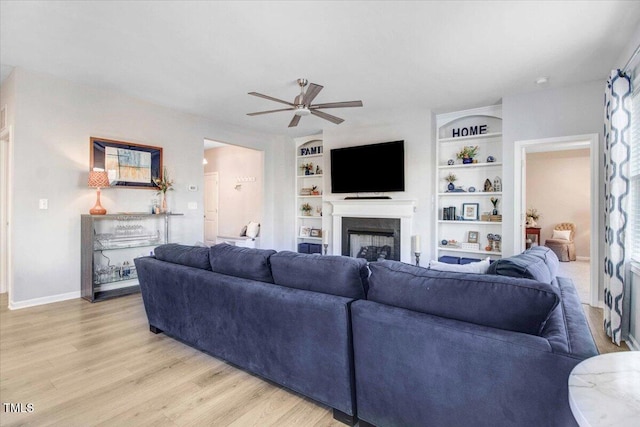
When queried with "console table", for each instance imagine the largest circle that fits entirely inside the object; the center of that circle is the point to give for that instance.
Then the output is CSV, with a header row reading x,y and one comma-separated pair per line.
x,y
535,231
605,390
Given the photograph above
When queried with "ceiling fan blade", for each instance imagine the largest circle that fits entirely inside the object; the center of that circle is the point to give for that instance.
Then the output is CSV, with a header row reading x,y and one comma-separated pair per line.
x,y
294,121
338,104
332,119
270,98
270,111
312,91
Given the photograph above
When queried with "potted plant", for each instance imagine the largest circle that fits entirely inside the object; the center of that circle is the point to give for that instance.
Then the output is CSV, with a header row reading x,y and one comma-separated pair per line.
x,y
307,168
532,217
468,153
306,209
314,190
163,184
451,178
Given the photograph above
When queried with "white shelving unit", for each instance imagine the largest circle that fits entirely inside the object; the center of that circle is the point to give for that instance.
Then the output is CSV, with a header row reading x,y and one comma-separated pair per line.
x,y
486,125
309,150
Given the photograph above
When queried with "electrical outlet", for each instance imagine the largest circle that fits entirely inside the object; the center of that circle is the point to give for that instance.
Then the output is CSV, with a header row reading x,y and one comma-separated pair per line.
x,y
43,204
192,205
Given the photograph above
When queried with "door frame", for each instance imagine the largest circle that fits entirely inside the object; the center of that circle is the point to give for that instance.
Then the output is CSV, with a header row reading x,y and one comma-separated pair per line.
x,y
6,203
590,141
216,174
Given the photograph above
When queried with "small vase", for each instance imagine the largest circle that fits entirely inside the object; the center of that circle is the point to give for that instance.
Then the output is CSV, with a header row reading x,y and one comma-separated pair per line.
x,y
467,160
306,172
163,209
495,212
451,187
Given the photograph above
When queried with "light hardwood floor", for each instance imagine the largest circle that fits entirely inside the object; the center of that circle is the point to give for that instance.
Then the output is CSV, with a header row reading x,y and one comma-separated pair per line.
x,y
83,364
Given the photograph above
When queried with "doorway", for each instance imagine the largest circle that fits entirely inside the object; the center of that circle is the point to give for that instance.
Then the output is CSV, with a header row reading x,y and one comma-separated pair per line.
x,y
552,148
210,208
6,154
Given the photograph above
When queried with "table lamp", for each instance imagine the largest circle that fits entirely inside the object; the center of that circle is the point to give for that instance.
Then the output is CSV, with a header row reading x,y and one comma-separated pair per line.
x,y
97,180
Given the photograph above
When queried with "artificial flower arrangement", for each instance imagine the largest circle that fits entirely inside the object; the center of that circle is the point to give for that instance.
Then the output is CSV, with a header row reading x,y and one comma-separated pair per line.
x,y
163,185
468,152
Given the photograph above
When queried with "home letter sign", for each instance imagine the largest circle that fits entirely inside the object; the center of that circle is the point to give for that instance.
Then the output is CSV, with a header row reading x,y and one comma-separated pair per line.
x,y
471,130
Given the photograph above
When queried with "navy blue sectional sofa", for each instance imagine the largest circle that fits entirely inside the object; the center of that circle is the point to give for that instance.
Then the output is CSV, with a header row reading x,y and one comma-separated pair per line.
x,y
389,343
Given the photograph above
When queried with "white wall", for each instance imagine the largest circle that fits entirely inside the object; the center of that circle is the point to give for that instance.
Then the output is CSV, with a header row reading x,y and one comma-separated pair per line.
x,y
417,131
573,110
54,120
237,206
559,187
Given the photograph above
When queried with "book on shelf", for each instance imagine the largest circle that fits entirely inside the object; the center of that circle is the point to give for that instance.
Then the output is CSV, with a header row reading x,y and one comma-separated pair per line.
x,y
449,213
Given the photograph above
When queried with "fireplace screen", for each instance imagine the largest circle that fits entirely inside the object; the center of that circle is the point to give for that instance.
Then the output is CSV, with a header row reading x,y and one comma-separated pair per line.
x,y
372,247
373,239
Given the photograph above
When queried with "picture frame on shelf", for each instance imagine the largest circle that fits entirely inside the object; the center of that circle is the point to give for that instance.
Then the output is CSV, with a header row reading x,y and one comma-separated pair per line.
x,y
305,231
470,211
316,232
472,237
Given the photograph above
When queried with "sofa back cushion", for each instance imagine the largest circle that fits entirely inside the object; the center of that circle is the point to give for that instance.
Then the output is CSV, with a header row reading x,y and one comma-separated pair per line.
x,y
548,256
247,263
192,256
508,303
525,266
335,275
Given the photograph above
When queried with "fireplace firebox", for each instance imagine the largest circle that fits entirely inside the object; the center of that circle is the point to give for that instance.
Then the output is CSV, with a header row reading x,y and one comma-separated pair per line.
x,y
373,239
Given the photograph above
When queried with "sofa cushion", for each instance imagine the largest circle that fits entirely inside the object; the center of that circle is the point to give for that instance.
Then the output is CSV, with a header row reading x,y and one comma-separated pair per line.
x,y
548,256
508,303
192,256
525,266
247,263
335,275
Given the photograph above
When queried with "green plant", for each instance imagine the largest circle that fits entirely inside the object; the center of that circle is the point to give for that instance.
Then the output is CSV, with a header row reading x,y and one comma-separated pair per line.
x,y
306,207
163,184
468,152
451,178
306,166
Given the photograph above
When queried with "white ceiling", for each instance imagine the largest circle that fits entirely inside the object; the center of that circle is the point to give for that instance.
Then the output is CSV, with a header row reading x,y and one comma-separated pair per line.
x,y
203,57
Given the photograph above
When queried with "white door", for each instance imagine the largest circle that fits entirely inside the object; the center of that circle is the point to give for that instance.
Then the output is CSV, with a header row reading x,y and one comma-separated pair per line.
x,y
210,208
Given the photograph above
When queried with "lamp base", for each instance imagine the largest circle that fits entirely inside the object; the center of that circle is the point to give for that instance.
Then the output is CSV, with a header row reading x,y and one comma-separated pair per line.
x,y
98,209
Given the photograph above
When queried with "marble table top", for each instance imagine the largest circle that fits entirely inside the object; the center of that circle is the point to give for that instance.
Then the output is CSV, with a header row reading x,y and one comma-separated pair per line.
x,y
605,390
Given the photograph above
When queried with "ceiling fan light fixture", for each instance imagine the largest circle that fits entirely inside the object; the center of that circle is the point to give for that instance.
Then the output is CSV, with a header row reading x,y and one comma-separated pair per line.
x,y
302,111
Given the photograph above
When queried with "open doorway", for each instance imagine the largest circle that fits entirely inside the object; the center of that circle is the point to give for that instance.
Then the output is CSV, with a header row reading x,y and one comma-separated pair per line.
x,y
233,192
5,213
559,178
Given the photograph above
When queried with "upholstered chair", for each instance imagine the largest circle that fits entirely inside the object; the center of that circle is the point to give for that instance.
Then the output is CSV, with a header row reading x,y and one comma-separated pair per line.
x,y
561,243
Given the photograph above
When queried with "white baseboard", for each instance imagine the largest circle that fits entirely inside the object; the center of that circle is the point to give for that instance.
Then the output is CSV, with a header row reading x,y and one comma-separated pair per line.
x,y
633,343
16,305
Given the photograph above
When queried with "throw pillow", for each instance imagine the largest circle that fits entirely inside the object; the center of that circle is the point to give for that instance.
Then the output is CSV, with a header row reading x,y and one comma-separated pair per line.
x,y
253,229
561,234
473,267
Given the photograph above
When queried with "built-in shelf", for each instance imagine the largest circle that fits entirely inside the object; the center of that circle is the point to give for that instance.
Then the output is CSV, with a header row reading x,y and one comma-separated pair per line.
x,y
446,221
471,165
468,175
471,194
309,216
310,238
310,197
471,137
311,156
315,175
469,251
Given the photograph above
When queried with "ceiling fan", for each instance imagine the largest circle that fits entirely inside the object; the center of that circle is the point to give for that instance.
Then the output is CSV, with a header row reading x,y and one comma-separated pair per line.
x,y
302,105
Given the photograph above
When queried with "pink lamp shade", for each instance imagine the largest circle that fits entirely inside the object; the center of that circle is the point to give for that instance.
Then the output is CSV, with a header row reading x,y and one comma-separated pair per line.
x,y
98,179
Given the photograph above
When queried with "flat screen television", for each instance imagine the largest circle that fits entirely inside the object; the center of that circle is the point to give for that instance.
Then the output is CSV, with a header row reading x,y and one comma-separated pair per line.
x,y
373,168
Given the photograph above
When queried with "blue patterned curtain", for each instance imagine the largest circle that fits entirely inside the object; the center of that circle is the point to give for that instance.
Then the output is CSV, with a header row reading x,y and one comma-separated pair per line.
x,y
617,155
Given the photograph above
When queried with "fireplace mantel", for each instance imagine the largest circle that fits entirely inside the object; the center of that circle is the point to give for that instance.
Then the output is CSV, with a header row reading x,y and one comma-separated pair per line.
x,y
374,208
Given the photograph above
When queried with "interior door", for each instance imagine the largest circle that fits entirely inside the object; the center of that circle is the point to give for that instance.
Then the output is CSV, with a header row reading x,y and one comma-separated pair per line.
x,y
210,208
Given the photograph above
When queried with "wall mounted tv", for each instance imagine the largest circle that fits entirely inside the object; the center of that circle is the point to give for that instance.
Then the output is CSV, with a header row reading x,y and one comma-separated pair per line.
x,y
373,168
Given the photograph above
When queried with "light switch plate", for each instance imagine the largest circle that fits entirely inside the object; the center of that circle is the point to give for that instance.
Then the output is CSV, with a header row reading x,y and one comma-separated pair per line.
x,y
43,204
192,205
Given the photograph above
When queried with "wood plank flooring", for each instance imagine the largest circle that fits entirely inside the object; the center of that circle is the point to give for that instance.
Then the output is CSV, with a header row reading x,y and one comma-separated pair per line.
x,y
83,364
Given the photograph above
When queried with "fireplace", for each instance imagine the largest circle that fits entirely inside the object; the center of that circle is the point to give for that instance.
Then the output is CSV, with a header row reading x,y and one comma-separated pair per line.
x,y
373,216
373,239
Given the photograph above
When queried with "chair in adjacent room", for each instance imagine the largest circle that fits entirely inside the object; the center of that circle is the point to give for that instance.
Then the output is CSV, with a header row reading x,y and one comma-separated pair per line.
x,y
561,243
